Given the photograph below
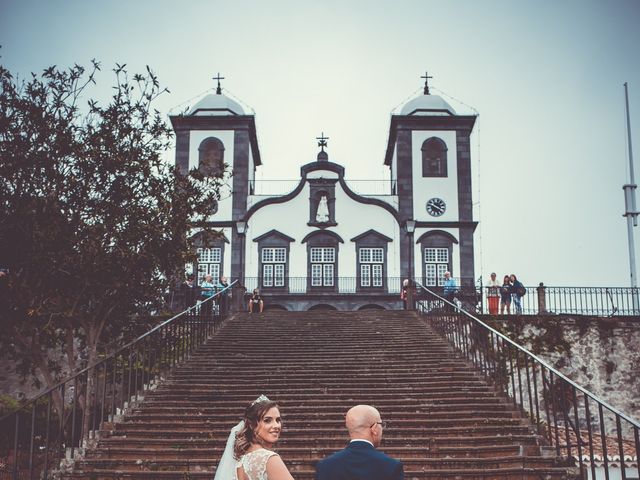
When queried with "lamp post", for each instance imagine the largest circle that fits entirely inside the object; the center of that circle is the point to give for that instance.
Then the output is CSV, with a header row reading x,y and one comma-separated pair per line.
x,y
239,289
241,229
410,227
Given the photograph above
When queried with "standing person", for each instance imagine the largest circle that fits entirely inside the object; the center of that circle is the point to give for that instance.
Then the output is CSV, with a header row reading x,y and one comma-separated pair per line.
x,y
256,302
450,287
188,289
223,298
208,290
360,460
404,293
505,295
248,454
518,291
493,294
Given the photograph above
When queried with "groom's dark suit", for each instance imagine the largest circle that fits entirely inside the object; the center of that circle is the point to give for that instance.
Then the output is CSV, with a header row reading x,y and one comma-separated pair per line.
x,y
359,461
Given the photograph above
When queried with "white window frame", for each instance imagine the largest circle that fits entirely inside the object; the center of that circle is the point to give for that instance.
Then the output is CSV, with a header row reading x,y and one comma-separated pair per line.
x,y
274,261
371,266
209,262
322,262
436,262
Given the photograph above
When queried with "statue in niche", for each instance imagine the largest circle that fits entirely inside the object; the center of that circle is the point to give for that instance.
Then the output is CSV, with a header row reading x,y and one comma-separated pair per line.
x,y
322,215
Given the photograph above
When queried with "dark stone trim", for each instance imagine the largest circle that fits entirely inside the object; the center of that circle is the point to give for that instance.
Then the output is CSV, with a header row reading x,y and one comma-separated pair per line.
x,y
445,152
218,122
427,243
275,234
471,225
182,151
440,110
274,239
368,201
197,238
372,233
228,110
328,233
322,224
275,200
424,122
323,238
330,166
350,193
372,239
432,233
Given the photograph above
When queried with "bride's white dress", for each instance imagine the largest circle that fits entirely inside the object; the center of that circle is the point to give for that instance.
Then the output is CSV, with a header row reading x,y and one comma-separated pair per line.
x,y
254,463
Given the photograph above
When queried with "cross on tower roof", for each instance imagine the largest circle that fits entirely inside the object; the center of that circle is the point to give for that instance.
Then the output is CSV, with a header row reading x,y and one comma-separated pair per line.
x,y
426,77
218,78
322,141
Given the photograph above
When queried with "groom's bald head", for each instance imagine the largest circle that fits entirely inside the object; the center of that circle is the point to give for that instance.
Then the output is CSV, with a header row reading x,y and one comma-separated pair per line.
x,y
362,422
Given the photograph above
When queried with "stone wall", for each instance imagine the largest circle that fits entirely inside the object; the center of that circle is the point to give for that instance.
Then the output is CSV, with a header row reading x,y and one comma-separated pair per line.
x,y
599,354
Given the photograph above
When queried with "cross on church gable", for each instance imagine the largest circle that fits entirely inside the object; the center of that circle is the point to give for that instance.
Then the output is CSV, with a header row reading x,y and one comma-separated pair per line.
x,y
322,141
218,78
426,77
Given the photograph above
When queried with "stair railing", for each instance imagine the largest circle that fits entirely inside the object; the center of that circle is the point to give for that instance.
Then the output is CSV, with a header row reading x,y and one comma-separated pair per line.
x,y
52,430
575,422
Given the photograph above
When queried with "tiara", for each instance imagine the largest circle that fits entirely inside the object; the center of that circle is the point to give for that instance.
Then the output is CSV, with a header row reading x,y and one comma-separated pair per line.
x,y
260,399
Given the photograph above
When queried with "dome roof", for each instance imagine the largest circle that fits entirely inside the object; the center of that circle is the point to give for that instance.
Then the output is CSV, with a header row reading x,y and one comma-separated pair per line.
x,y
427,105
218,104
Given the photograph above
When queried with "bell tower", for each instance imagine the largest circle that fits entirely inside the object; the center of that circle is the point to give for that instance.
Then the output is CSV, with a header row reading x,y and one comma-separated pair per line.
x,y
214,133
430,159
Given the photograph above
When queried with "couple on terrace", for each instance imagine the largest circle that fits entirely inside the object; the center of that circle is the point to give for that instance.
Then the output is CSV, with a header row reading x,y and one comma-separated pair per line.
x,y
249,456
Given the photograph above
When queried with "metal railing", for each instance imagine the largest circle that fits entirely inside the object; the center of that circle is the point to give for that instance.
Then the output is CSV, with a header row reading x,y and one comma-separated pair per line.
x,y
61,422
574,422
331,285
544,300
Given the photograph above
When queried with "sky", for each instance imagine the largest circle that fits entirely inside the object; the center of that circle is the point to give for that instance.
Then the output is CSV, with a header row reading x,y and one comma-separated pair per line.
x,y
549,150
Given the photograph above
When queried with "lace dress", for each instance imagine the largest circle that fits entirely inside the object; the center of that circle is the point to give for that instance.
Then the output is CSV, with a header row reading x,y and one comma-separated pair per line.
x,y
254,463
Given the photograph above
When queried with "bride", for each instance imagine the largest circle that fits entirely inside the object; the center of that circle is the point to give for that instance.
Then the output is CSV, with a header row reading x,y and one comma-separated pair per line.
x,y
248,454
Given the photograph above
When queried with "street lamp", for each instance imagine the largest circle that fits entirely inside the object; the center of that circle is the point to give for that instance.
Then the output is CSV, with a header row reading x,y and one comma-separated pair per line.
x,y
410,227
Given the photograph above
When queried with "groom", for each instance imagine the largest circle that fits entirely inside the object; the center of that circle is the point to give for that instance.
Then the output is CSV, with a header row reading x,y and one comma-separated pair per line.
x,y
360,460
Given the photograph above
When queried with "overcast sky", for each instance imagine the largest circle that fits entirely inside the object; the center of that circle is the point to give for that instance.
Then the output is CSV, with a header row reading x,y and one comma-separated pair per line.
x,y
546,76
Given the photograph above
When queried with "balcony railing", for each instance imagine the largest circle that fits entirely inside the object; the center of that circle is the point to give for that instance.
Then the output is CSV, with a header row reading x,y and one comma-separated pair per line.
x,y
603,442
64,420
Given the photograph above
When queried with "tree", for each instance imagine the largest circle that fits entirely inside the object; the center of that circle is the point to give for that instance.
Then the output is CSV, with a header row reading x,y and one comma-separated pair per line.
x,y
93,222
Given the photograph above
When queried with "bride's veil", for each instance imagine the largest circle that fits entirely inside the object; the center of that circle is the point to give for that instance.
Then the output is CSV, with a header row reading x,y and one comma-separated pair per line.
x,y
227,467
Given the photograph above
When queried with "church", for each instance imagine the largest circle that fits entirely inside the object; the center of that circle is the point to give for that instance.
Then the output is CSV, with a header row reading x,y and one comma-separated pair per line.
x,y
323,243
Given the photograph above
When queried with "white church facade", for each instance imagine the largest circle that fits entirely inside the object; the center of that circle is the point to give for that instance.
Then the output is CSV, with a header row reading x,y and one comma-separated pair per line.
x,y
322,245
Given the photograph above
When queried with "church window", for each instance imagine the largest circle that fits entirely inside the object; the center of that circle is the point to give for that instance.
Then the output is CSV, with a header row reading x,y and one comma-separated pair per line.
x,y
211,157
209,261
434,158
273,266
322,266
436,262
371,266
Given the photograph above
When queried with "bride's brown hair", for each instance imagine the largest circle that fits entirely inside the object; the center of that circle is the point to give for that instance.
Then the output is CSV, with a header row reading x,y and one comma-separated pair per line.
x,y
252,416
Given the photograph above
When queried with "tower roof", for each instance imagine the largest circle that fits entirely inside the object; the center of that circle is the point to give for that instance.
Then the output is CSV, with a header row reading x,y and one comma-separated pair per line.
x,y
216,104
427,105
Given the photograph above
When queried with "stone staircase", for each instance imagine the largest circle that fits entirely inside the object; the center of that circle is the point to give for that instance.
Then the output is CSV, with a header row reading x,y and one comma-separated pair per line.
x,y
444,420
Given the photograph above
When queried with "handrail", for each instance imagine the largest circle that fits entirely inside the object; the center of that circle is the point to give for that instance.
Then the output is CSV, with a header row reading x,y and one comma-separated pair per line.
x,y
534,356
558,407
65,417
121,349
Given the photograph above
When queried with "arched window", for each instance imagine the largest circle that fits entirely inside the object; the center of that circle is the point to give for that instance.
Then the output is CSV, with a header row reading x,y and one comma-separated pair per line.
x,y
437,252
211,157
434,158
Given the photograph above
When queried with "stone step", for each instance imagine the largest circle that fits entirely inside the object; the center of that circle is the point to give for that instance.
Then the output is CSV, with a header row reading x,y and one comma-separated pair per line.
x,y
445,419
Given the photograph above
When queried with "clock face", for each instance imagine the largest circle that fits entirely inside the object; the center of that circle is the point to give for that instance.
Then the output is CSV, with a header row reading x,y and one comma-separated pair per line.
x,y
436,207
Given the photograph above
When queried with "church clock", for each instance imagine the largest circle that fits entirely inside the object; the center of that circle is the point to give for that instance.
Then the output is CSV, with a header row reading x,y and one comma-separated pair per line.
x,y
436,207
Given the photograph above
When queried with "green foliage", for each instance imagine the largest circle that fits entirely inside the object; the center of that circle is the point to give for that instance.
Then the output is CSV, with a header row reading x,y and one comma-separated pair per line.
x,y
93,221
